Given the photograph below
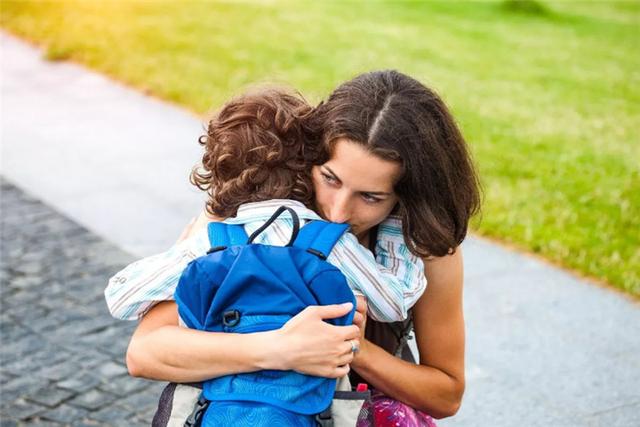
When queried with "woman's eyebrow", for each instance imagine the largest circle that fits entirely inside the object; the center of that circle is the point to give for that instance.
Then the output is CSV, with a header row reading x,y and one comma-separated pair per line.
x,y
373,193
333,174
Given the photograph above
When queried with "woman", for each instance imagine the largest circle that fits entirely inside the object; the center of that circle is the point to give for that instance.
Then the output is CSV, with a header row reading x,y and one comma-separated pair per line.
x,y
393,148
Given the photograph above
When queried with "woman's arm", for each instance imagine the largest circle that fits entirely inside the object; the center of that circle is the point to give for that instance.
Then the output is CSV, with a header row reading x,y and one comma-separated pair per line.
x,y
160,349
436,385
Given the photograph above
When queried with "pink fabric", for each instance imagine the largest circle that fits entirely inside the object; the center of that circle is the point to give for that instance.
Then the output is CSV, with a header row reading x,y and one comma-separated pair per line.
x,y
388,412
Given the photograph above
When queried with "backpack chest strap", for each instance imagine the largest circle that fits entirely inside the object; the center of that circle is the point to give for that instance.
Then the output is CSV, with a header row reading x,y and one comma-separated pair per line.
x,y
319,237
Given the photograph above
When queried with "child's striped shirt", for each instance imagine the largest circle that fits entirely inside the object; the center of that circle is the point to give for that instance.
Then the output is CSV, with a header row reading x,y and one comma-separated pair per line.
x,y
392,281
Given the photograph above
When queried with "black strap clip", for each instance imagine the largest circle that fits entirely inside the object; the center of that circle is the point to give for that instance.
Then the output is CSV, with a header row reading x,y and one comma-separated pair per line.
x,y
195,417
325,418
230,318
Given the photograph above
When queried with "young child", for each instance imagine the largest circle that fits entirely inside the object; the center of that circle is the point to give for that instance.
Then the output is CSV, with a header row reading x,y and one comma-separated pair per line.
x,y
255,161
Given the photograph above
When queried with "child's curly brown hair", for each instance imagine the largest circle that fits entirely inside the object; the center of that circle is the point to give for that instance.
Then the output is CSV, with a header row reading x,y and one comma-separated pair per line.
x,y
257,148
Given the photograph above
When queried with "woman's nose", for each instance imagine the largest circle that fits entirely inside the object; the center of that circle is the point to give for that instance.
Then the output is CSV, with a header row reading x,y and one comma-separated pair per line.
x,y
340,211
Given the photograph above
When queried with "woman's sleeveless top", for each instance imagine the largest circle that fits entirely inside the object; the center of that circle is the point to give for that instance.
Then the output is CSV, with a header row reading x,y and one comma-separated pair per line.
x,y
392,337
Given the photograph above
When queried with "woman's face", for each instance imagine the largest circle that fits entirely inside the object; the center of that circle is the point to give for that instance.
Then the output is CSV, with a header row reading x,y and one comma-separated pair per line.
x,y
355,187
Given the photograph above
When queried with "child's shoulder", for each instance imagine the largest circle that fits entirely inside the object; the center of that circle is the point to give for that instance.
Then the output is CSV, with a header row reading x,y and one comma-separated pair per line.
x,y
391,230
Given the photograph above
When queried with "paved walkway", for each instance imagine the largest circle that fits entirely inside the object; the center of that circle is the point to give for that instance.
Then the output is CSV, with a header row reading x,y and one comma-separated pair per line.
x,y
62,353
544,348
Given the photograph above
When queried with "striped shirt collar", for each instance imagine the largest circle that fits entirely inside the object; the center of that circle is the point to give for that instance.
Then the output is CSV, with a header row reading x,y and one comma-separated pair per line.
x,y
263,210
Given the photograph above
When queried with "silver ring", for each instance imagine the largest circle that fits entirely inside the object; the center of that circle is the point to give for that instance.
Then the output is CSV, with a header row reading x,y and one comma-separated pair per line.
x,y
354,347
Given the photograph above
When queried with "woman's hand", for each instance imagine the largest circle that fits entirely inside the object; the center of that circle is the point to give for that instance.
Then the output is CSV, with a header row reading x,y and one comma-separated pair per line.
x,y
309,345
196,224
360,320
187,231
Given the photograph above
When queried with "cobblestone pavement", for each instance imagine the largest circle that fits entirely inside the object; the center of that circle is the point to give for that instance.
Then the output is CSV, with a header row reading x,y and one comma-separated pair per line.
x,y
62,355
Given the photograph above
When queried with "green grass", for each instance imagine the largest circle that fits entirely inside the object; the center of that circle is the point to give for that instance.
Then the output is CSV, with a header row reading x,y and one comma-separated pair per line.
x,y
547,94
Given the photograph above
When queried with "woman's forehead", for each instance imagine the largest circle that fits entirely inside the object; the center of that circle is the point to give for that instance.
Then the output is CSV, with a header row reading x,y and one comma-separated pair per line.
x,y
361,170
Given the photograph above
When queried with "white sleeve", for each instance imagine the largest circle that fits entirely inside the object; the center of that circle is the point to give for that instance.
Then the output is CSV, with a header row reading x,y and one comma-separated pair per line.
x,y
131,292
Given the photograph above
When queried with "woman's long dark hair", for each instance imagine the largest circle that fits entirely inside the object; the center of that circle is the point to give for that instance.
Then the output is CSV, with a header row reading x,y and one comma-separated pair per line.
x,y
397,118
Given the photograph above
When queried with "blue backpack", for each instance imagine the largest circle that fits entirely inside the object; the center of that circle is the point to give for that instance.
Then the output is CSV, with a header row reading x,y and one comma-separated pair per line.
x,y
243,287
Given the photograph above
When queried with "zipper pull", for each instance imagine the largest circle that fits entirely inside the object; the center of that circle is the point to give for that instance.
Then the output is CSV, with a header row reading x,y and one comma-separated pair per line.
x,y
362,387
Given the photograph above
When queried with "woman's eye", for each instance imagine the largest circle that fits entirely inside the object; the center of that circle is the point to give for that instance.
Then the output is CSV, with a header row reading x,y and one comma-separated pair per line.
x,y
330,179
370,199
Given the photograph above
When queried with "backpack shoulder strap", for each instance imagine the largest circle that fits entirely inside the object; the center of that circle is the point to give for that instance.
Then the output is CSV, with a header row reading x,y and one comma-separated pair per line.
x,y
221,234
319,237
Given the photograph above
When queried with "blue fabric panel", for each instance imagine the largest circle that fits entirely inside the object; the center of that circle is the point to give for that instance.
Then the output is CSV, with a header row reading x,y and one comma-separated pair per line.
x,y
249,414
197,286
267,285
320,235
221,234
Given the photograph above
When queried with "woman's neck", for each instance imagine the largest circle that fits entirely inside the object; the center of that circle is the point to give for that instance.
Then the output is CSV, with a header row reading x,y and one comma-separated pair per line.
x,y
364,239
